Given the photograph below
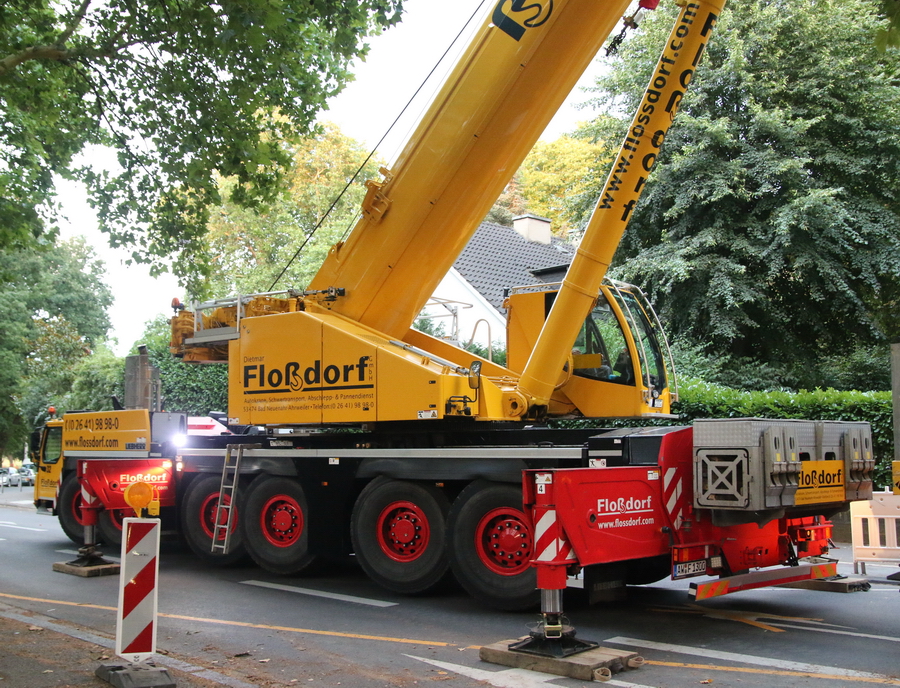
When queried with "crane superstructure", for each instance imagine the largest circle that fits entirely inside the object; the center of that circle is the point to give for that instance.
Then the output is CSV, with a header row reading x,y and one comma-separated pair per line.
x,y
354,432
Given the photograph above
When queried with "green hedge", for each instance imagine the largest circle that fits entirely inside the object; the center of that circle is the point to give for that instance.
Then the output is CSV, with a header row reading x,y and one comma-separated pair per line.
x,y
699,399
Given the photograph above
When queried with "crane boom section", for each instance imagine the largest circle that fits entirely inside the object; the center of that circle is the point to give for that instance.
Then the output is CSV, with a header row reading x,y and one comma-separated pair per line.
x,y
495,104
623,187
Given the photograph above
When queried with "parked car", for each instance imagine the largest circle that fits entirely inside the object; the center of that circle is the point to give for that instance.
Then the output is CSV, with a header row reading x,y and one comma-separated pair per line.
x,y
26,475
9,477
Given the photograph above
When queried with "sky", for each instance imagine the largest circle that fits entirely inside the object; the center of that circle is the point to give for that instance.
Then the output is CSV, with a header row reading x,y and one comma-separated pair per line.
x,y
398,62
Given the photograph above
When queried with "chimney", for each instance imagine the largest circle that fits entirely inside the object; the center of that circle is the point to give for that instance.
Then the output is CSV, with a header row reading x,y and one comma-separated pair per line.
x,y
533,228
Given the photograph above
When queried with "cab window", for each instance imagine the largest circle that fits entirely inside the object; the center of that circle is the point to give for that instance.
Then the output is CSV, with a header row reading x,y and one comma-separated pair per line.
x,y
52,446
601,350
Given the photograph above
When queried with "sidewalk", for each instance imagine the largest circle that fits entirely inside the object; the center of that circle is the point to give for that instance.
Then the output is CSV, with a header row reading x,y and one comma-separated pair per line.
x,y
37,651
40,652
18,497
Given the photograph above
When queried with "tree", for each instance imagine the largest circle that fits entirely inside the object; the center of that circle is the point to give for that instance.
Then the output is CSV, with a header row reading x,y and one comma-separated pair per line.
x,y
96,379
55,350
249,249
181,92
556,174
770,229
889,36
186,388
53,305
510,204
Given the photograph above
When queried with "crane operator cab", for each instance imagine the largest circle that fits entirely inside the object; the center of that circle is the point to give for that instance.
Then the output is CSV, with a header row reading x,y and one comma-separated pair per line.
x,y
617,365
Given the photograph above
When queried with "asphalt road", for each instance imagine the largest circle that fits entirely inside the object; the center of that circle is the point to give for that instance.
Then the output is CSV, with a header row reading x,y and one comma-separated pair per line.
x,y
338,628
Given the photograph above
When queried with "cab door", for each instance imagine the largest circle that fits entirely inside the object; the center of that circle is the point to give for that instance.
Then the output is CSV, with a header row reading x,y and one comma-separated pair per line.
x,y
49,462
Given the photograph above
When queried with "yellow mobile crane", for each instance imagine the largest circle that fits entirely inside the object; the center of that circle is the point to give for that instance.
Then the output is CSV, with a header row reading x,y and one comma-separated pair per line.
x,y
372,437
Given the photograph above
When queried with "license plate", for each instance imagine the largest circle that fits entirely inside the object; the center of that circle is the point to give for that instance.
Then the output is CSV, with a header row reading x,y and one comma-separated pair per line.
x,y
686,569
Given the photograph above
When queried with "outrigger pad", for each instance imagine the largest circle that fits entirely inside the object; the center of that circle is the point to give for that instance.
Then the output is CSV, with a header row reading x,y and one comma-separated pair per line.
x,y
538,644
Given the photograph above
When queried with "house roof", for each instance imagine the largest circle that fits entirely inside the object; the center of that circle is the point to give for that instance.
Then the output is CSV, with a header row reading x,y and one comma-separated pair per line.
x,y
498,257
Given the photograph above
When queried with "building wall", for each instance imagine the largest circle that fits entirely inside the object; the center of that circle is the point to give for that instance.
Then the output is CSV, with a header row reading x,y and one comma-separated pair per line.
x,y
470,308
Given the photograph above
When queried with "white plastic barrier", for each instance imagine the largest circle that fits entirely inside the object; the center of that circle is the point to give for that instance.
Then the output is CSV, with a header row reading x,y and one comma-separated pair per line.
x,y
875,526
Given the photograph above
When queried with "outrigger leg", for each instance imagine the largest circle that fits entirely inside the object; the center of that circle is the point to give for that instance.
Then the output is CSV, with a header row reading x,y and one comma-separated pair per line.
x,y
552,637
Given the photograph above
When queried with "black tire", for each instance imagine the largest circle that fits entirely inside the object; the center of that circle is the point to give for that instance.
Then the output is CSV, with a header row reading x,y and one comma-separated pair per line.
x,y
109,525
490,546
649,570
398,532
68,509
198,513
275,526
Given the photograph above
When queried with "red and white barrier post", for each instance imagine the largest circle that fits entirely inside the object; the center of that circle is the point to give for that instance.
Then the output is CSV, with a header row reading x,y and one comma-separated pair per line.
x,y
137,611
136,619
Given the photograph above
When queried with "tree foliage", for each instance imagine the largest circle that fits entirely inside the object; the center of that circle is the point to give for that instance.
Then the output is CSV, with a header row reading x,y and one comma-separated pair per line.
x,y
770,229
186,388
510,204
181,91
558,173
53,305
249,249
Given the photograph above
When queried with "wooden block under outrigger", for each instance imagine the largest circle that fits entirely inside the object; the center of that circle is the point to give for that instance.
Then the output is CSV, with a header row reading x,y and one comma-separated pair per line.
x,y
597,664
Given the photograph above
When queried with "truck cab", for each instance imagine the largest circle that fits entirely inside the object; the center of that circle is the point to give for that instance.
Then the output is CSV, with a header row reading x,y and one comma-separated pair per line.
x,y
47,455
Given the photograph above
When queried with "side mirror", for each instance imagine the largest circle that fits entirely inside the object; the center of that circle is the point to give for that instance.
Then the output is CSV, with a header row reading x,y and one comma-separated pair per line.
x,y
475,375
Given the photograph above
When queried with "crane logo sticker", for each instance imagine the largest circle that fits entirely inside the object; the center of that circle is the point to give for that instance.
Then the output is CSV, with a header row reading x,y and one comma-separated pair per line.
x,y
820,482
294,377
623,512
513,17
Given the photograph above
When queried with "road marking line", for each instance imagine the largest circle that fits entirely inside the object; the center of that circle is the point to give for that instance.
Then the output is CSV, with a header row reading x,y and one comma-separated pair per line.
x,y
747,659
245,624
5,524
512,678
772,672
35,619
832,630
319,593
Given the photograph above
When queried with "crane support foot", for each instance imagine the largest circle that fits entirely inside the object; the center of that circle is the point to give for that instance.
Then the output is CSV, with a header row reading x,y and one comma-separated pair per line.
x,y
590,665
554,640
89,564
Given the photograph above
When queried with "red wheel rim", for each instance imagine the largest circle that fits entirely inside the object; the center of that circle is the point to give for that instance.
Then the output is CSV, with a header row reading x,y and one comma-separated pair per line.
x,y
76,508
282,521
503,541
116,516
211,515
402,531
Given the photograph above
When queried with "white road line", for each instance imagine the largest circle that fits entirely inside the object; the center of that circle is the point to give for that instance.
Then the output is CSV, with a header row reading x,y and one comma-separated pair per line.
x,y
319,593
513,678
837,632
744,659
7,524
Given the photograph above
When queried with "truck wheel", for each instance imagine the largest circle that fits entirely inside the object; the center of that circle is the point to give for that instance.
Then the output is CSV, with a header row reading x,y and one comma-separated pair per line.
x,y
397,528
649,570
68,508
276,525
109,525
491,544
199,512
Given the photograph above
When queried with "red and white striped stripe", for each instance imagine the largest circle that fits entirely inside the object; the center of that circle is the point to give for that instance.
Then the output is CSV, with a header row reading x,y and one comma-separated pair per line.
x,y
674,496
549,540
87,497
136,621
